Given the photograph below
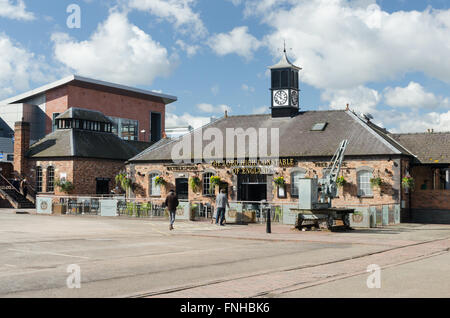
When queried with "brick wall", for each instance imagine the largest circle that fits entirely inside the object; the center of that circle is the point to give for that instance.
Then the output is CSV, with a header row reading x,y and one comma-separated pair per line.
x,y
21,145
389,171
62,98
431,199
81,172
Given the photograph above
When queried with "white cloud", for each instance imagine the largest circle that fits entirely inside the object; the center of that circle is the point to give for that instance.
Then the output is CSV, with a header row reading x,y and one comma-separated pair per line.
x,y
19,67
361,99
15,9
414,96
237,41
208,108
178,12
185,120
414,121
343,44
118,51
190,50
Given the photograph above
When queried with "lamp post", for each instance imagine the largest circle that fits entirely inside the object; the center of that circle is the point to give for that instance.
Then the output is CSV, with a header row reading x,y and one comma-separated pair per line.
x,y
145,134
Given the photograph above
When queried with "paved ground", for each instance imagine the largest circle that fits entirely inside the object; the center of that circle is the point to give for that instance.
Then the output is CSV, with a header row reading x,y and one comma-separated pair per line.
x,y
129,257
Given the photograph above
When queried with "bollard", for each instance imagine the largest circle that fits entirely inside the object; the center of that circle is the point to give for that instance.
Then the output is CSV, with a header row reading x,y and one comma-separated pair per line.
x,y
268,224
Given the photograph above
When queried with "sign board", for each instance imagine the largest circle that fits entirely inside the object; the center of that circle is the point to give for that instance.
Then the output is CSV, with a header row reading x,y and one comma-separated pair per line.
x,y
183,211
108,207
44,205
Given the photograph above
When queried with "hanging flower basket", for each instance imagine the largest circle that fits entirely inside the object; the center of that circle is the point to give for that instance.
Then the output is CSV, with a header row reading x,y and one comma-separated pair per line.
x,y
279,181
159,181
215,181
341,182
124,181
376,182
194,183
408,183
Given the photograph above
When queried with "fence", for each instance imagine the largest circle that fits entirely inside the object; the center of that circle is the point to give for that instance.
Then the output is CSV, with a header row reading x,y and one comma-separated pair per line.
x,y
239,211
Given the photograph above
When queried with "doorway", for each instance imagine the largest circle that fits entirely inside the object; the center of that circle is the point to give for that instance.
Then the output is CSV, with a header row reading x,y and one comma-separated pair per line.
x,y
252,187
182,188
102,186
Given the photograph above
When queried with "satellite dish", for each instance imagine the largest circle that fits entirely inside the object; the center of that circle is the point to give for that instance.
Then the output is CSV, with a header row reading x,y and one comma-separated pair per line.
x,y
367,116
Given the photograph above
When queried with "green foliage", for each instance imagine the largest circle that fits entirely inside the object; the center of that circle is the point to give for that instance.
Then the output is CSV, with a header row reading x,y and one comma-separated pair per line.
x,y
159,181
65,186
408,183
194,183
279,181
215,181
124,182
376,182
341,181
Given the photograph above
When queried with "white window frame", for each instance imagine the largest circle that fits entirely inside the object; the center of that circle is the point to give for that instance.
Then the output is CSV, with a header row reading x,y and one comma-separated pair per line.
x,y
363,180
154,190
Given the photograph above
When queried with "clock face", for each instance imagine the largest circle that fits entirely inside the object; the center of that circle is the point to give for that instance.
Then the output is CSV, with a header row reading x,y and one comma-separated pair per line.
x,y
294,98
280,98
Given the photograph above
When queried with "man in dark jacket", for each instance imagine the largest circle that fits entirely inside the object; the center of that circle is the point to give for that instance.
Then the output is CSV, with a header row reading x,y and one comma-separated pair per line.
x,y
172,204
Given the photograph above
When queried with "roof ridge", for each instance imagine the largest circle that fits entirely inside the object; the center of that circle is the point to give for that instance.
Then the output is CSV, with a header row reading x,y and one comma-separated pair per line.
x,y
372,131
151,148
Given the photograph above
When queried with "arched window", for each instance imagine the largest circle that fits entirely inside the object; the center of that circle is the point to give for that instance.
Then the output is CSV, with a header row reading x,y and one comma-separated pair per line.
x,y
295,179
154,190
50,179
207,183
38,179
364,187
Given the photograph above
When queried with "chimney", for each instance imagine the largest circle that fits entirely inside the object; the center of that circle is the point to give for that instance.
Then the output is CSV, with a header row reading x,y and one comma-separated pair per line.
x,y
226,113
347,108
21,146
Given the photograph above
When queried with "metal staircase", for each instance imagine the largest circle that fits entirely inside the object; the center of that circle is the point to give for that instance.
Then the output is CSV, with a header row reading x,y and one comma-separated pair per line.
x,y
15,198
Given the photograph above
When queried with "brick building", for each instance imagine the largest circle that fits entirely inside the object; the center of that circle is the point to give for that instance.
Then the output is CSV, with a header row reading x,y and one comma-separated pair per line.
x,y
307,142
83,150
136,114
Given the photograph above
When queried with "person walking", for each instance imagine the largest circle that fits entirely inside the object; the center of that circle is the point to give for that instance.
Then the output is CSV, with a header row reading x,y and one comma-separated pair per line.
x,y
24,187
221,204
172,204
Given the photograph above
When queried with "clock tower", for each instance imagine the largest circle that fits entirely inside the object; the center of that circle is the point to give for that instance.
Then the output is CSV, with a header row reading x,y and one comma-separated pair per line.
x,y
284,88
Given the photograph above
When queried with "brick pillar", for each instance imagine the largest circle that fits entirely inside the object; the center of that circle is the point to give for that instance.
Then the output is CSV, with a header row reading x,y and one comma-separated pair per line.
x,y
21,146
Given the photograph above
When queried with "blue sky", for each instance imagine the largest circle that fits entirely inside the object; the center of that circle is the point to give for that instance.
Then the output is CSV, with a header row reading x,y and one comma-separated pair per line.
x,y
388,58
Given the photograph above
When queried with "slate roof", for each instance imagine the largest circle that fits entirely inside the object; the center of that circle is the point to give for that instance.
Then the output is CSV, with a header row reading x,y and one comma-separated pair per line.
x,y
84,114
83,144
296,137
430,148
6,145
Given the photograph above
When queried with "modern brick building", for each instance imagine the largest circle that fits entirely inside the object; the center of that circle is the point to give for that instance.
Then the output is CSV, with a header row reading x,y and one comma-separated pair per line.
x,y
307,142
83,150
136,114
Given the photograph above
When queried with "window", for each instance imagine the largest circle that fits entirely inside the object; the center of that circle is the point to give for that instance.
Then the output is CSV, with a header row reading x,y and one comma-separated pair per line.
x,y
295,179
276,79
54,124
207,183
155,190
50,179
284,79
38,179
125,128
364,187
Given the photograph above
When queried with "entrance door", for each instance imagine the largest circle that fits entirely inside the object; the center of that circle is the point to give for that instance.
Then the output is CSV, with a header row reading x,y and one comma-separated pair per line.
x,y
155,127
103,186
252,187
182,188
